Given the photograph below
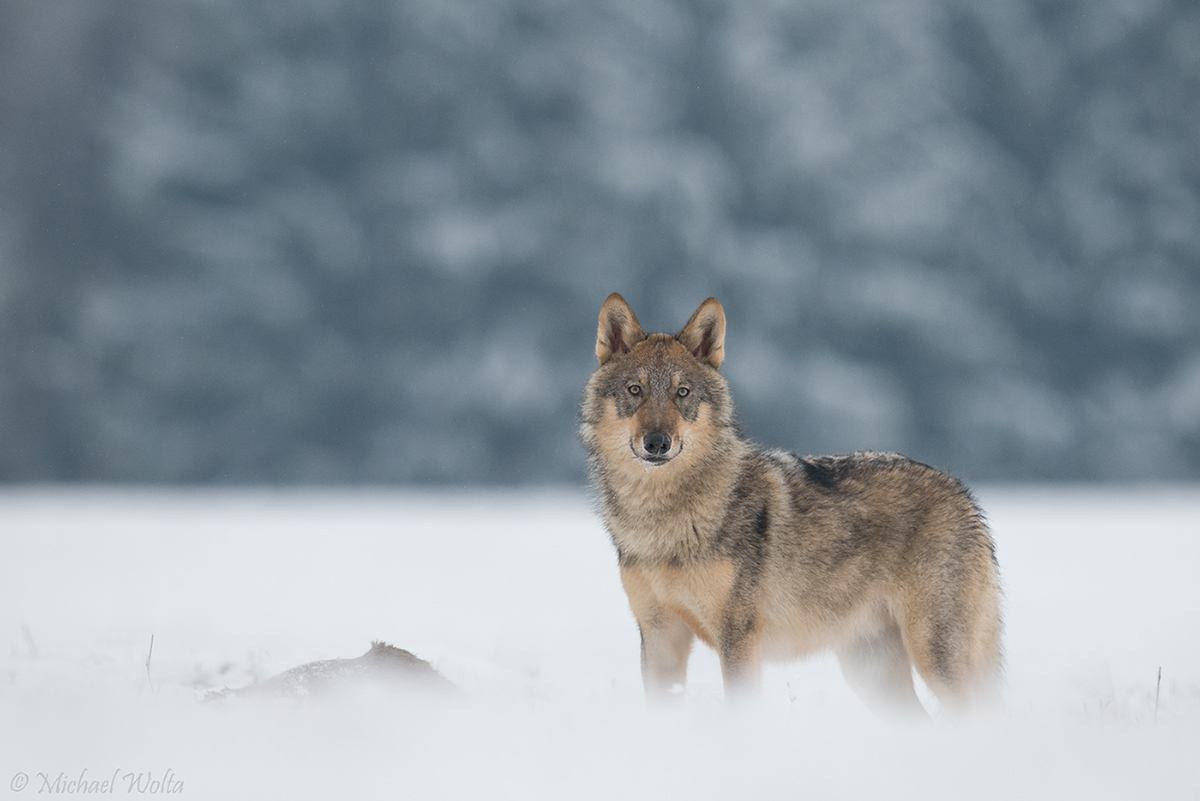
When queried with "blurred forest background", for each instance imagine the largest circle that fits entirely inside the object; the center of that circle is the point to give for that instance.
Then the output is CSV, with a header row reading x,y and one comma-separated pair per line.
x,y
366,241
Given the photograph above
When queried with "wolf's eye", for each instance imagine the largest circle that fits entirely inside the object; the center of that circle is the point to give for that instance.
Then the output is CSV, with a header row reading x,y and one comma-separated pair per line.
x,y
634,389
683,392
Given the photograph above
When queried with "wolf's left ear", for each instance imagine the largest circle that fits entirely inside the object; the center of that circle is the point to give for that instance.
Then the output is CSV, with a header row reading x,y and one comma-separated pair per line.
x,y
704,334
619,329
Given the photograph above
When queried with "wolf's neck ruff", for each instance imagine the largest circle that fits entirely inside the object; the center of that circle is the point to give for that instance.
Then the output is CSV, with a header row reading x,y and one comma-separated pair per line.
x,y
671,512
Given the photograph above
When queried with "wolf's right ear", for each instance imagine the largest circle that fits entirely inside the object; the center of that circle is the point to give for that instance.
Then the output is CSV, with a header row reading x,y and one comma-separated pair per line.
x,y
619,330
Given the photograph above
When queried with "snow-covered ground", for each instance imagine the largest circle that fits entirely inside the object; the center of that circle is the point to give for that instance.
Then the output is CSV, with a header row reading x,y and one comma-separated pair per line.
x,y
515,597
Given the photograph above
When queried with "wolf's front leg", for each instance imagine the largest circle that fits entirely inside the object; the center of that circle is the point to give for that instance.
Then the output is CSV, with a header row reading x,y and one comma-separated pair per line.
x,y
666,644
741,663
666,639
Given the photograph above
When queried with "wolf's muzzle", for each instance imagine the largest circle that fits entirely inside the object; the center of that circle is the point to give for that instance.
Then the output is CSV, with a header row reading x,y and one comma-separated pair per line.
x,y
657,443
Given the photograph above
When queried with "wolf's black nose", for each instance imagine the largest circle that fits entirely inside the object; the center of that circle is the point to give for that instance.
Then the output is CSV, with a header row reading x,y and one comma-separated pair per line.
x,y
657,443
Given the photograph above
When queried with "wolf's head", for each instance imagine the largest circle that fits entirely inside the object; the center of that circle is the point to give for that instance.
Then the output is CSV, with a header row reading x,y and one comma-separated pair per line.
x,y
656,398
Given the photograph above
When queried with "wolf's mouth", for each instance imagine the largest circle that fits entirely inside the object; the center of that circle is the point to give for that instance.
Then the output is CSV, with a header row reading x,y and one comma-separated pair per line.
x,y
653,461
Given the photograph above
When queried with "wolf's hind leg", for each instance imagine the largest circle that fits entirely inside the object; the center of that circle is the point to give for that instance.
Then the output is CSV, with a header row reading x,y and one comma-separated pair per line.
x,y
877,667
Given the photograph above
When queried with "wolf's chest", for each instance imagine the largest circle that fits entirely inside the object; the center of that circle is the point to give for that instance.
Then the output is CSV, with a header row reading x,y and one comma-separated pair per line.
x,y
674,538
698,593
654,522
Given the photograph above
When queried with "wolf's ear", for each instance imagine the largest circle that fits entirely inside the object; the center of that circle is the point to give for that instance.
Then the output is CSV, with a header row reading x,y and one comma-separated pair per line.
x,y
704,334
619,329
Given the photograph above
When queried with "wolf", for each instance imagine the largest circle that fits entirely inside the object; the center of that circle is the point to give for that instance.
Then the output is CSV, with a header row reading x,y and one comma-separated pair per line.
x,y
765,555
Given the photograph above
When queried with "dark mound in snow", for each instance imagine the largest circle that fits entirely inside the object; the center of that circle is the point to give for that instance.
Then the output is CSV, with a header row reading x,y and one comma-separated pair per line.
x,y
383,666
